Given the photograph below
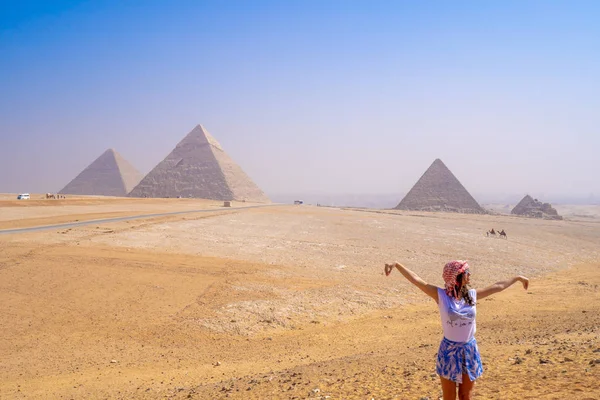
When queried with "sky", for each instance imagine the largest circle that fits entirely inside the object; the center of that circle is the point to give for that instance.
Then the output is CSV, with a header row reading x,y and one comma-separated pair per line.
x,y
308,96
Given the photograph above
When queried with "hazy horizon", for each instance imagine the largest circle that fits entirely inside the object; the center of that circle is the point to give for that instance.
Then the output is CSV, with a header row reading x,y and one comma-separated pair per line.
x,y
308,97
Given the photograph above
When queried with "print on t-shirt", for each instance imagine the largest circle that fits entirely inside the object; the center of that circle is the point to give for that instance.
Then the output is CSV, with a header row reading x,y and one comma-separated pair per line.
x,y
460,317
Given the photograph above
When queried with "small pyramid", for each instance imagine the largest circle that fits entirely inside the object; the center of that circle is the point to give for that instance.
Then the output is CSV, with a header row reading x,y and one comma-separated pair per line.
x,y
523,205
534,208
439,190
199,167
109,175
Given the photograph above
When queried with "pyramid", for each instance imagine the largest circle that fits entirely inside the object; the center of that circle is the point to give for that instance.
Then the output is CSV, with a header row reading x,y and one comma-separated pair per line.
x,y
199,167
109,175
439,190
531,207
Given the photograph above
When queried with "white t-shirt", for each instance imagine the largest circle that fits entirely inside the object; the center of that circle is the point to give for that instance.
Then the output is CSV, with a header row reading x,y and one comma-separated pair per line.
x,y
458,318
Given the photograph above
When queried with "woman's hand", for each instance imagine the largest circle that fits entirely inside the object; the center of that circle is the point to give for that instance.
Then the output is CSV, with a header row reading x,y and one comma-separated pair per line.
x,y
389,268
524,281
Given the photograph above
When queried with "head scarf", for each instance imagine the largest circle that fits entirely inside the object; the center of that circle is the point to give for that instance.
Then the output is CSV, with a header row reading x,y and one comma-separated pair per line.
x,y
451,271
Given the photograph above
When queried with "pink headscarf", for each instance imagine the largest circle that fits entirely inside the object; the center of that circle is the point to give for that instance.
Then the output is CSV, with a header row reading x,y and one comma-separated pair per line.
x,y
451,271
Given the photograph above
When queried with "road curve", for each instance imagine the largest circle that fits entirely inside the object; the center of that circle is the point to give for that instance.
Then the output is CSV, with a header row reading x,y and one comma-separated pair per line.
x,y
119,219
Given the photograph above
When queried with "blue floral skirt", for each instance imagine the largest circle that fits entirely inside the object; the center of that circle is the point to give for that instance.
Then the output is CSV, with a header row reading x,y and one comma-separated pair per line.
x,y
456,358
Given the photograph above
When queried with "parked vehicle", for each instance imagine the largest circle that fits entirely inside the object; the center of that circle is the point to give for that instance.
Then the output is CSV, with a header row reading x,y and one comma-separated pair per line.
x,y
23,196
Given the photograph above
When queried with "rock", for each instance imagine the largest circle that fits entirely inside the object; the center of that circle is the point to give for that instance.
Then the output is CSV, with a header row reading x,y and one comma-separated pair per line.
x,y
218,363
113,361
316,390
518,360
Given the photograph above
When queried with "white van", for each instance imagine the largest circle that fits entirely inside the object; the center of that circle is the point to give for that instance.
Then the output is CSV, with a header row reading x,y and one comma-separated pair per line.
x,y
23,196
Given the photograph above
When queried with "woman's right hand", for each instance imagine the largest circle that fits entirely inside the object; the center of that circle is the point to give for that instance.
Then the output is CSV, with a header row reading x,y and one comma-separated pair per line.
x,y
388,269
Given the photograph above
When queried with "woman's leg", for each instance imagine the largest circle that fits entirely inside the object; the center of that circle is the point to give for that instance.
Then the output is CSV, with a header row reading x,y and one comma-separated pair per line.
x,y
448,389
465,389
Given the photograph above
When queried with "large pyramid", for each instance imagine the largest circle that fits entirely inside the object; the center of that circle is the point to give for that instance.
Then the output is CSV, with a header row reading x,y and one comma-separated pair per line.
x,y
109,175
439,190
199,167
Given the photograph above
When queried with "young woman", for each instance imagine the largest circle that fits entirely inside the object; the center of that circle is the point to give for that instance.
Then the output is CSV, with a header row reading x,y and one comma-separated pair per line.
x,y
458,360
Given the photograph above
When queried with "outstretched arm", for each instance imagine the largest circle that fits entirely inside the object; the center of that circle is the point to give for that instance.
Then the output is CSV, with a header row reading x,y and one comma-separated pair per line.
x,y
500,286
429,290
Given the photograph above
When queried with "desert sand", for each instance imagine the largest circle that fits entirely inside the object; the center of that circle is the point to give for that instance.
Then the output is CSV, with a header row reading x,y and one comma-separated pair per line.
x,y
285,302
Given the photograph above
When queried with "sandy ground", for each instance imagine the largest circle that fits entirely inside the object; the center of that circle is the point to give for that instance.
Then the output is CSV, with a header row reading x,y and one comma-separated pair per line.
x,y
288,302
40,211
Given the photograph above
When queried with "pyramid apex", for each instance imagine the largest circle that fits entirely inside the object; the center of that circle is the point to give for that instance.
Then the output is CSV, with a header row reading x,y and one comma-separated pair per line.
x,y
109,153
199,135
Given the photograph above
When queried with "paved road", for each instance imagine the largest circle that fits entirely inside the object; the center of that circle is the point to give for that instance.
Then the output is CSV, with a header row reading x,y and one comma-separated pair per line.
x,y
119,219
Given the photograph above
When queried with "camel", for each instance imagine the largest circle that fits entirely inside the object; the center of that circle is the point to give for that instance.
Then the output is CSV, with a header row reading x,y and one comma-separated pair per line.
x,y
501,234
50,196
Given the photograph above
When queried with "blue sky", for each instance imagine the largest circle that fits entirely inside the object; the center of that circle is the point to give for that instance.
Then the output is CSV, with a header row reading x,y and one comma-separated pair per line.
x,y
307,96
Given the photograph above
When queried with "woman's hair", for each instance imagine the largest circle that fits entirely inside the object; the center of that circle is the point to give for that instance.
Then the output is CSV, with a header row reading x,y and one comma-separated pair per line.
x,y
463,290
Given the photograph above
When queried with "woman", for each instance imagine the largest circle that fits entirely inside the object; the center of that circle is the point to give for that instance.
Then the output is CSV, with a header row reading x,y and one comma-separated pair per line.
x,y
458,360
